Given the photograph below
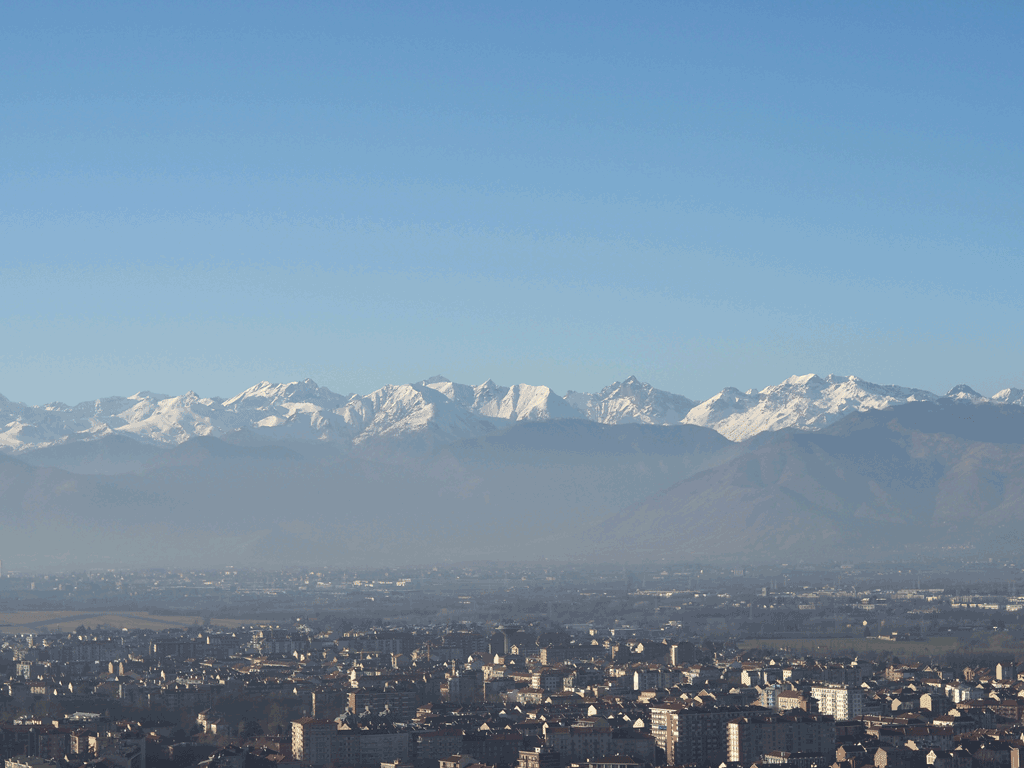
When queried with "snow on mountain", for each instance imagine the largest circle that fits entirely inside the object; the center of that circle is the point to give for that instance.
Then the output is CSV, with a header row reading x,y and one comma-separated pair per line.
x,y
473,398
298,410
533,403
631,402
803,402
438,411
115,412
1011,396
521,402
410,410
963,392
728,407
21,425
20,434
175,419
294,411
268,396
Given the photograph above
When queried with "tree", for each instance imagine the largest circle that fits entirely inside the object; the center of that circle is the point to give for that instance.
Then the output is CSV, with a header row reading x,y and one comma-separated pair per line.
x,y
249,729
276,715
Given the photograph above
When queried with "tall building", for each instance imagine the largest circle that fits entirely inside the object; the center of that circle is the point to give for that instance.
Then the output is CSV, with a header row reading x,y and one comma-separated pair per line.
x,y
662,727
843,702
693,734
750,738
398,699
576,744
313,740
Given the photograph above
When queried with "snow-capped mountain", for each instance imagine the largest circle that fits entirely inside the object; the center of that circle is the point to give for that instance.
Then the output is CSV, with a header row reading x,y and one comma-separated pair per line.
x,y
270,396
1011,396
438,411
804,402
963,392
299,410
23,427
631,402
521,402
409,411
423,414
176,419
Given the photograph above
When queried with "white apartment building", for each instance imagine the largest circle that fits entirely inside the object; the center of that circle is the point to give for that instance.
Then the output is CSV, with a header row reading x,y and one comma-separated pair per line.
x,y
843,702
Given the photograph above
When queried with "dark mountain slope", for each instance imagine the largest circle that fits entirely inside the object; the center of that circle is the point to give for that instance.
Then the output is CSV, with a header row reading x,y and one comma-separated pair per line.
x,y
916,477
109,455
511,496
589,438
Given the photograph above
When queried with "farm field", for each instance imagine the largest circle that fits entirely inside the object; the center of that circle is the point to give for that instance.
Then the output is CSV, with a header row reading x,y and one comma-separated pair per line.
x,y
838,646
31,622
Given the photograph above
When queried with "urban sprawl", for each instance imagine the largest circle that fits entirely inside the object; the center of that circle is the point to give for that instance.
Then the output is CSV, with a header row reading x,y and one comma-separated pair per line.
x,y
887,665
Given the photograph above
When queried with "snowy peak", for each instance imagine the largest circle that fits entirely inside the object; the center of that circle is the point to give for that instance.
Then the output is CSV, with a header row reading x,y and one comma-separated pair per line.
x,y
963,392
145,395
1011,396
802,402
175,419
631,385
462,394
718,409
522,402
265,395
806,381
526,402
631,401
411,412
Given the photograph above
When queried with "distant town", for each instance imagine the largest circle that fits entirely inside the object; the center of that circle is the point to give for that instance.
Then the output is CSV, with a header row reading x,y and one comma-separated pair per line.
x,y
889,665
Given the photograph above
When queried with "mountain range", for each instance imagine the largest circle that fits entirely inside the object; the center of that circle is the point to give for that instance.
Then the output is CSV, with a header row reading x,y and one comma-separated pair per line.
x,y
434,471
437,411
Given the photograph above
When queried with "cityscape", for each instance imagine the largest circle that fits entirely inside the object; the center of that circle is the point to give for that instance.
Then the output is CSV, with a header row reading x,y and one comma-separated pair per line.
x,y
533,666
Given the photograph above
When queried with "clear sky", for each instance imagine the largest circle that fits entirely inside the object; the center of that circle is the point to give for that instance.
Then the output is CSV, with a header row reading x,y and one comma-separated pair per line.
x,y
203,195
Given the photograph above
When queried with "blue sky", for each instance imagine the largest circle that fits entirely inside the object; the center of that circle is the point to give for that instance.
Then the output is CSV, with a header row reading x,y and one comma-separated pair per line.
x,y
200,196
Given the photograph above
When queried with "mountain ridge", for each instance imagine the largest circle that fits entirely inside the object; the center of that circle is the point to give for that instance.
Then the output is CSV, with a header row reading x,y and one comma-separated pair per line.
x,y
437,411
